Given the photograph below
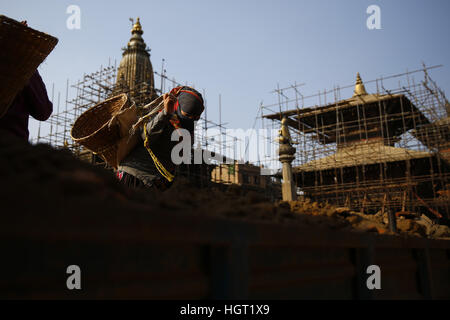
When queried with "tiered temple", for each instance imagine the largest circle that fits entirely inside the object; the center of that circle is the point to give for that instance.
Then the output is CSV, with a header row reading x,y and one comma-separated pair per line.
x,y
367,169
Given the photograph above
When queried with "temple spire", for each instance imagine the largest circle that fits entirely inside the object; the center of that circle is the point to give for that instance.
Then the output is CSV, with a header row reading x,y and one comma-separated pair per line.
x,y
360,90
135,72
136,40
137,28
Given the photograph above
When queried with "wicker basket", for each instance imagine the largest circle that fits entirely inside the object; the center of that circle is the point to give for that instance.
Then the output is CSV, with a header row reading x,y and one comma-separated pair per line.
x,y
104,129
22,50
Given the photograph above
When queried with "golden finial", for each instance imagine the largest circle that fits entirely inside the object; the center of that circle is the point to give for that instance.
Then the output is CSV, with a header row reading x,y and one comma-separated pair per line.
x,y
283,134
360,90
137,27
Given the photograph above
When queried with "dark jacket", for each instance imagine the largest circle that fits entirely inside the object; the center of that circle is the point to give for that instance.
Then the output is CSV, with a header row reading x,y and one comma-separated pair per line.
x,y
32,100
139,163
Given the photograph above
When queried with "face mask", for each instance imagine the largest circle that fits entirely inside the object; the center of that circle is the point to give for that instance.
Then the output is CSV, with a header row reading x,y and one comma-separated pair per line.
x,y
185,122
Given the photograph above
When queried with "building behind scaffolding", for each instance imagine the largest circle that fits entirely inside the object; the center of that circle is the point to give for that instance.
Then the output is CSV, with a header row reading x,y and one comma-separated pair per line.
x,y
373,151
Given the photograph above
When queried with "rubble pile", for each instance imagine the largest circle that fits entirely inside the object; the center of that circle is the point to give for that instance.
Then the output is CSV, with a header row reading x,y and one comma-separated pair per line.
x,y
42,185
417,226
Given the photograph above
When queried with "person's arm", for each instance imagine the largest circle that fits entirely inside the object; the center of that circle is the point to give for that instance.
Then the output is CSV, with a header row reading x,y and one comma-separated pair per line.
x,y
37,100
156,125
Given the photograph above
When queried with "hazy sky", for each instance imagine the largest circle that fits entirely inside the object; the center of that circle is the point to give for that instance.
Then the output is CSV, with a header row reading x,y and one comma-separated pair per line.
x,y
242,49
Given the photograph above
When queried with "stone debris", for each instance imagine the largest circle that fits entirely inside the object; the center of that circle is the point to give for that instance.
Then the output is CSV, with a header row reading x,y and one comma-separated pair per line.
x,y
407,224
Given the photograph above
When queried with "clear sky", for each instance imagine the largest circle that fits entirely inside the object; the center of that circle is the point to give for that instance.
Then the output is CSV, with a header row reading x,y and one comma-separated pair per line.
x,y
243,48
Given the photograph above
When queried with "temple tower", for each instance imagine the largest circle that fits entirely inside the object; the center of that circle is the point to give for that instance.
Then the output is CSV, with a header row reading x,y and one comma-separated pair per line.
x,y
135,72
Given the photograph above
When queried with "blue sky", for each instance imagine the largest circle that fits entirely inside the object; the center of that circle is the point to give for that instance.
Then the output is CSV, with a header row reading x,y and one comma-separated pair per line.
x,y
242,49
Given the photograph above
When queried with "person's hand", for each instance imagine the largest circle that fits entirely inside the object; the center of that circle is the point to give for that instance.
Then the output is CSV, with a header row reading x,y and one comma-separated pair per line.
x,y
169,103
176,91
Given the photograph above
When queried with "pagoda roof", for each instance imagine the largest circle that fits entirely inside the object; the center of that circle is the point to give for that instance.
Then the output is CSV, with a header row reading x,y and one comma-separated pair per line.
x,y
361,154
361,109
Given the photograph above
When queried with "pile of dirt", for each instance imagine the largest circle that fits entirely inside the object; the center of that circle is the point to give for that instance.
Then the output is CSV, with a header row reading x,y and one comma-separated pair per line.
x,y
41,185
407,225
344,216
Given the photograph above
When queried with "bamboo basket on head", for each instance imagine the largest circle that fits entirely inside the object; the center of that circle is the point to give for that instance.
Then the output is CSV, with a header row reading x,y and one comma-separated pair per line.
x,y
104,129
22,50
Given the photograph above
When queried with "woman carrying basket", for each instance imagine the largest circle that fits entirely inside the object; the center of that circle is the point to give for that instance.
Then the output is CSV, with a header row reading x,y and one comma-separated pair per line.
x,y
149,164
